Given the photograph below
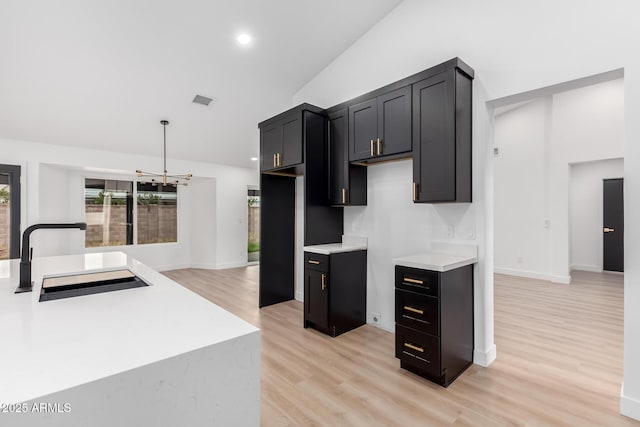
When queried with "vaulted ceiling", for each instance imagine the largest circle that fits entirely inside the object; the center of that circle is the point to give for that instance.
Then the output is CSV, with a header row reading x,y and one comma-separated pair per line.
x,y
102,74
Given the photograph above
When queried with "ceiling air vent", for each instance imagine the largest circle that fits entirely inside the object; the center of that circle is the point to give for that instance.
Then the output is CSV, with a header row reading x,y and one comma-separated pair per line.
x,y
199,99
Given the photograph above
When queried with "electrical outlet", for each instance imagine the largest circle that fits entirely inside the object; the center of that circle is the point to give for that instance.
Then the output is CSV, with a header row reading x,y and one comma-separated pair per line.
x,y
496,151
377,317
450,231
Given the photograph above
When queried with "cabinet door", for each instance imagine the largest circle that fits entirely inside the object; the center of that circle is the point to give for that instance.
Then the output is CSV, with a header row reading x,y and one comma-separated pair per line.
x,y
363,128
394,122
291,128
434,144
270,143
338,158
316,297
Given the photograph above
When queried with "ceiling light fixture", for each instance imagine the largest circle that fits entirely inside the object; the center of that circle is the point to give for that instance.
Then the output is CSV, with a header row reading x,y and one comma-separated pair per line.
x,y
165,179
244,39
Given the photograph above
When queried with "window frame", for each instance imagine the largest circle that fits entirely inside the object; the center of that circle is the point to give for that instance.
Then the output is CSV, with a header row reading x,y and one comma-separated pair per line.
x,y
135,212
15,181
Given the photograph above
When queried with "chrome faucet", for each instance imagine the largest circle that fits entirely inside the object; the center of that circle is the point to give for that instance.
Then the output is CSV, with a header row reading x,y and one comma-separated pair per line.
x,y
26,285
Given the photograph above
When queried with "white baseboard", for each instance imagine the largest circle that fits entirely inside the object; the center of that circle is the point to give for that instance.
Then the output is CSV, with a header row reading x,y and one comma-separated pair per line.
x,y
204,266
300,296
533,275
583,267
485,358
629,407
170,267
231,265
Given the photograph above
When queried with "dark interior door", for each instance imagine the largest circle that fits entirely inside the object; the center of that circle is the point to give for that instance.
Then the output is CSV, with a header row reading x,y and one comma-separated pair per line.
x,y
9,211
613,225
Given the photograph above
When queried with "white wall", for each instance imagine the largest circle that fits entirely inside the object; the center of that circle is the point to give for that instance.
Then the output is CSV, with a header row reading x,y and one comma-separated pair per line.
x,y
538,141
396,227
522,241
212,211
585,211
514,47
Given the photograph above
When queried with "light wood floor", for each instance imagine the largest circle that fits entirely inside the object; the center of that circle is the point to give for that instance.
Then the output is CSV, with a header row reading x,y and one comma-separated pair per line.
x,y
559,360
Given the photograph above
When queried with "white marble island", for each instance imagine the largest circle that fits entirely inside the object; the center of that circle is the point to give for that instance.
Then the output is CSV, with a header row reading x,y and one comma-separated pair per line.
x,y
158,355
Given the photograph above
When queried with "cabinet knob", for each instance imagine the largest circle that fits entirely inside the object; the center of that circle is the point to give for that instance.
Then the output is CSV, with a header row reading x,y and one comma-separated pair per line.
x,y
379,147
608,230
324,281
372,152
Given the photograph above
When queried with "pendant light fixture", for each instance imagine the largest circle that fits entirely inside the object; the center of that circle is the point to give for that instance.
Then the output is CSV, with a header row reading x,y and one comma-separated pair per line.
x,y
164,178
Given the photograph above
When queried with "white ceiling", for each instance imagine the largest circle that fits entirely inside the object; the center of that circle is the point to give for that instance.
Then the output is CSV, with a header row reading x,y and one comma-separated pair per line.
x,y
102,74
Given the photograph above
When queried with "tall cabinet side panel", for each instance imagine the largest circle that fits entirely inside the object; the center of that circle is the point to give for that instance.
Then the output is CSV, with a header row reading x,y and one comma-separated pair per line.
x,y
322,223
277,239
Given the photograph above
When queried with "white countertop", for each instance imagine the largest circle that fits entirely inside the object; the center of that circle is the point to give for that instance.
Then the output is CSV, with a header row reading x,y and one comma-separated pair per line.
x,y
333,248
349,243
54,345
435,261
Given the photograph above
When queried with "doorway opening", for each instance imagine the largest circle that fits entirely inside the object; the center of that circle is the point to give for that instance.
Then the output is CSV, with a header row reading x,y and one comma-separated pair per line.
x,y
9,212
253,240
555,150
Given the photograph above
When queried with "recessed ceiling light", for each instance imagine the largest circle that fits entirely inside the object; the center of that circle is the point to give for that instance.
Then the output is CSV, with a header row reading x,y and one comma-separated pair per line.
x,y
244,39
254,159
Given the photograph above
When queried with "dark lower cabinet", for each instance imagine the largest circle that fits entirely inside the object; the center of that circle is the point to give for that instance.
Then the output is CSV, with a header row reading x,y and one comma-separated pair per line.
x,y
434,322
335,291
442,138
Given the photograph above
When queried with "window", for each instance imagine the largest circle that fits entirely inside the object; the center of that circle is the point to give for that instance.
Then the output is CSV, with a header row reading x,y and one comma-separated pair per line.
x,y
157,213
9,211
108,211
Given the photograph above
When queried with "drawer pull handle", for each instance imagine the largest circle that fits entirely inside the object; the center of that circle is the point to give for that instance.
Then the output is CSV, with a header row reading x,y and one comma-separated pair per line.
x,y
414,347
313,261
324,281
371,149
413,310
379,149
416,281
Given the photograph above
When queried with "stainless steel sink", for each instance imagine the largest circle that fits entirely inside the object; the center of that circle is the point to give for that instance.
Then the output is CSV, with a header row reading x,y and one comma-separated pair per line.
x,y
88,283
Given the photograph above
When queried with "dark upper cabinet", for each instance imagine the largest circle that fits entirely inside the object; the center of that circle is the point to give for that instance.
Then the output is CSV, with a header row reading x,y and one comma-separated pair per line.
x,y
347,182
442,138
281,142
381,126
282,138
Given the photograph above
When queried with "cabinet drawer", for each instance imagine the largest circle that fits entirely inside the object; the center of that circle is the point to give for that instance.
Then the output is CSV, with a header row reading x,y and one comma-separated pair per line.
x,y
316,261
418,311
419,350
417,280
